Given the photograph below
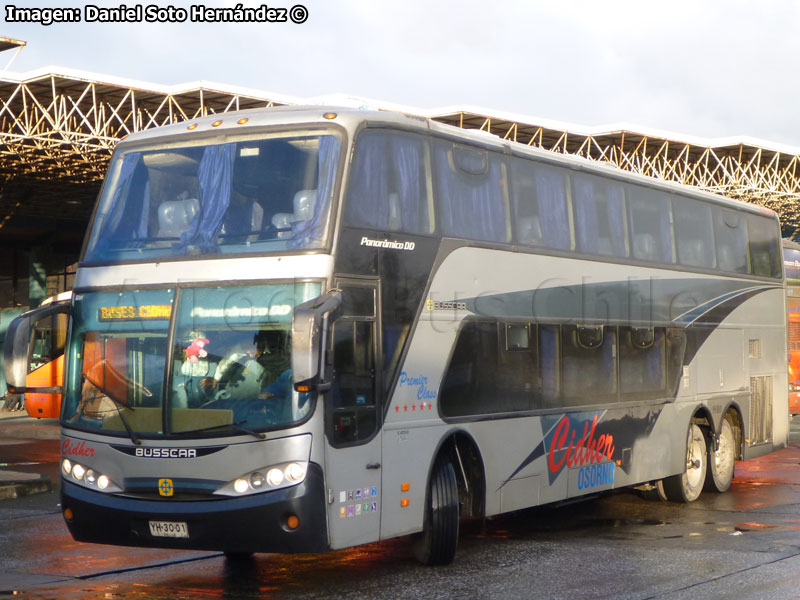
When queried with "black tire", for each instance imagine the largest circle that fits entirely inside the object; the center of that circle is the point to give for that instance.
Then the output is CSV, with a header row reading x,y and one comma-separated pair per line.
x,y
436,545
721,462
239,556
687,486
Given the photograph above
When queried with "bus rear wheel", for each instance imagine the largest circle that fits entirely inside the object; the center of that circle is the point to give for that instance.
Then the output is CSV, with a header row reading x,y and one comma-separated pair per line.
x,y
436,545
721,462
686,486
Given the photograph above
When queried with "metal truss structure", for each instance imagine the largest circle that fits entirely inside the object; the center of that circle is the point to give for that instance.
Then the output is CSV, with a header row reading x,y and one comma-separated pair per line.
x,y
745,171
57,132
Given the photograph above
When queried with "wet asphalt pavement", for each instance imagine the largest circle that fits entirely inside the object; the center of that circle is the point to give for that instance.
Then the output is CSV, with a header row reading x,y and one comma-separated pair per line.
x,y
743,544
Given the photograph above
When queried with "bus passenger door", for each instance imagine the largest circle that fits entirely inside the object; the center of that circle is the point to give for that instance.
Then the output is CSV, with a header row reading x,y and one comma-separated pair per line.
x,y
352,419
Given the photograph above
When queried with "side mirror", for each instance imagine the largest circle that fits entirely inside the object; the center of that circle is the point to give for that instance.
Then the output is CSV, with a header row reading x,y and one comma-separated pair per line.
x,y
16,355
308,338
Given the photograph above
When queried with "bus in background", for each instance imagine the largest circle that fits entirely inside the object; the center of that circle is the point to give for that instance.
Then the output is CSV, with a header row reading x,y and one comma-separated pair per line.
x,y
46,363
302,329
791,261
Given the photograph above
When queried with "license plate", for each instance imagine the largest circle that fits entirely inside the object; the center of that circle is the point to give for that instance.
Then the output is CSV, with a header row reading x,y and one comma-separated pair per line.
x,y
173,529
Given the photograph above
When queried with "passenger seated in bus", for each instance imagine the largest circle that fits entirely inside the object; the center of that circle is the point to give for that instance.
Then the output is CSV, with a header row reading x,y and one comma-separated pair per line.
x,y
279,395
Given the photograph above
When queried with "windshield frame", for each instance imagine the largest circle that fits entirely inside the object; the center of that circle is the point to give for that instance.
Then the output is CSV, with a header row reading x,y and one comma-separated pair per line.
x,y
74,346
171,141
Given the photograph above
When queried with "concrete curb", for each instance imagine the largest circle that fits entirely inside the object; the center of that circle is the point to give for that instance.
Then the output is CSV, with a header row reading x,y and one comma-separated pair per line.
x,y
17,489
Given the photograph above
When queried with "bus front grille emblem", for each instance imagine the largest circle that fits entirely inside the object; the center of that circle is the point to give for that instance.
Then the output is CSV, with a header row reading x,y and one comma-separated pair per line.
x,y
165,487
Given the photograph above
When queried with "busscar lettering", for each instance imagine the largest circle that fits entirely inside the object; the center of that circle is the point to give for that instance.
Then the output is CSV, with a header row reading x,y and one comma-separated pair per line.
x,y
586,451
166,452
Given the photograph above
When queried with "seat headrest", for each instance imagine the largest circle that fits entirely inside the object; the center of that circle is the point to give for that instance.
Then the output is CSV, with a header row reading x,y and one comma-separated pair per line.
x,y
304,203
174,217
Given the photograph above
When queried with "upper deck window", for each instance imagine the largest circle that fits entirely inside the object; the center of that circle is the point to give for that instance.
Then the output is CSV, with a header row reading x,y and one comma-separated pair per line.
x,y
254,195
389,187
471,192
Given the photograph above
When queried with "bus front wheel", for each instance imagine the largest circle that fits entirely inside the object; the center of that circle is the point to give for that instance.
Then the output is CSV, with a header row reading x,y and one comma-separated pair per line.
x,y
686,486
436,545
721,462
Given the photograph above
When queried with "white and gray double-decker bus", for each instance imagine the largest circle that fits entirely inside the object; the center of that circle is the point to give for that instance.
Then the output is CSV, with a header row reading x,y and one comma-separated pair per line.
x,y
294,331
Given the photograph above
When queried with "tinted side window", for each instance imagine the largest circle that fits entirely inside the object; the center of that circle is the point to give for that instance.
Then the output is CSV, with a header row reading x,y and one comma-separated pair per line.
x,y
650,224
765,246
730,235
389,183
694,235
599,215
642,357
470,192
539,200
494,369
588,369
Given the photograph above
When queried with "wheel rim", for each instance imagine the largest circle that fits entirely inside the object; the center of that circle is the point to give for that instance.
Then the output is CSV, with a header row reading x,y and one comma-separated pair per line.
x,y
694,460
723,455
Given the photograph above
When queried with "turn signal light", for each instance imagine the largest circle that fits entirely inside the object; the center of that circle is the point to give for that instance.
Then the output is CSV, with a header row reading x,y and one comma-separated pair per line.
x,y
68,514
404,502
293,522
404,487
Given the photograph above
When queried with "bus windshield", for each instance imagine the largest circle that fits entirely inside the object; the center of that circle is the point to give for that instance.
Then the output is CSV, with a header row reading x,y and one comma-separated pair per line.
x,y
262,194
227,370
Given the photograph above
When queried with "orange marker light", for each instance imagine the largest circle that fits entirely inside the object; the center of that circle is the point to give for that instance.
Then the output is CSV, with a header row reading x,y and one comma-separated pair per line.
x,y
404,502
192,127
293,522
216,123
68,514
242,121
303,388
329,116
404,487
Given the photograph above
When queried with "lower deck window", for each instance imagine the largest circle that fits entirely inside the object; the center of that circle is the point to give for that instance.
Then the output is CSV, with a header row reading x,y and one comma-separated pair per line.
x,y
499,367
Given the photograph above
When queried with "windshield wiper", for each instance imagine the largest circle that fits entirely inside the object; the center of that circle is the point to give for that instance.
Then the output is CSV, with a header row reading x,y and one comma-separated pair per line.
x,y
237,426
117,404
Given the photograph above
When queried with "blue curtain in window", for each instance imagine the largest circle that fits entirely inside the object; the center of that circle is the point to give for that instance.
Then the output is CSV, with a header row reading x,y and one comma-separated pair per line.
x,y
589,212
367,203
379,156
142,231
616,220
471,205
311,233
408,154
552,194
116,210
117,207
585,214
214,176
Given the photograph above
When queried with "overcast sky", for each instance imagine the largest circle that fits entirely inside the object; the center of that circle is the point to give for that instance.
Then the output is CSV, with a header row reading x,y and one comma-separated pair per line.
x,y
704,68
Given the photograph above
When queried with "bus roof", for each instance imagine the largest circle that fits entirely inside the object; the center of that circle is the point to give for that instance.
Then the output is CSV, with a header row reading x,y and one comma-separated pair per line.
x,y
245,121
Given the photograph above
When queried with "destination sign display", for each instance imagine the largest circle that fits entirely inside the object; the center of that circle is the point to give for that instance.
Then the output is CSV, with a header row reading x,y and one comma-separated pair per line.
x,y
147,312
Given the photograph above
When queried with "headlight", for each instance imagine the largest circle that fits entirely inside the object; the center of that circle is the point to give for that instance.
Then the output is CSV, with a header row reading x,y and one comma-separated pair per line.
x,y
295,472
88,477
277,477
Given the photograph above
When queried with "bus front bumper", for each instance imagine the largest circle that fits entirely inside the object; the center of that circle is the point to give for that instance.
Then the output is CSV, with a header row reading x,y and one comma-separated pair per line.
x,y
252,523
